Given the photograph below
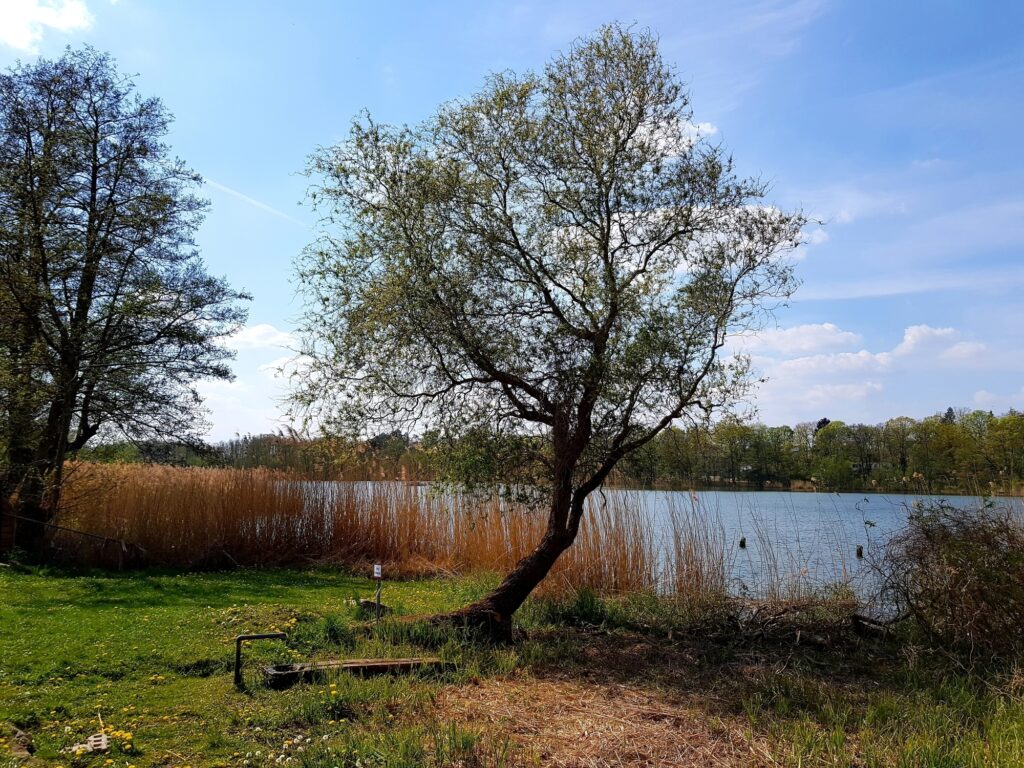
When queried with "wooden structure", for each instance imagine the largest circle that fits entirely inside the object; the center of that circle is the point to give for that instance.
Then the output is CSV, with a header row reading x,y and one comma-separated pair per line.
x,y
286,675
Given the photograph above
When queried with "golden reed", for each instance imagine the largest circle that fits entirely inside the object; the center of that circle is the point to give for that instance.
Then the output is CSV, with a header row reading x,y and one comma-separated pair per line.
x,y
200,517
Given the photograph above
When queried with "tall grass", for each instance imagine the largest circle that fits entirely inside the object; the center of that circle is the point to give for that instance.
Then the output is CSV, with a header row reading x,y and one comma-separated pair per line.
x,y
191,518
194,518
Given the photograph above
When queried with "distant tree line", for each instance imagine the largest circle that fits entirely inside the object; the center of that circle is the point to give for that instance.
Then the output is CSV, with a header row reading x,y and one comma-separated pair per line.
x,y
960,451
390,455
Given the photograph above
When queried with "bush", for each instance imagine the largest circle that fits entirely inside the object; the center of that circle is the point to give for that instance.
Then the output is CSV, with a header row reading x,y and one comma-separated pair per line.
x,y
959,574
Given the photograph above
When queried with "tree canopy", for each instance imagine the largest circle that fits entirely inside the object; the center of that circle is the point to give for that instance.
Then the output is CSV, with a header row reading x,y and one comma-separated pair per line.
x,y
110,317
560,256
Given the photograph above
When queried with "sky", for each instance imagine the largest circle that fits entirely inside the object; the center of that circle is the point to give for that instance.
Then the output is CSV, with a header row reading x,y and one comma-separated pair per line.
x,y
897,126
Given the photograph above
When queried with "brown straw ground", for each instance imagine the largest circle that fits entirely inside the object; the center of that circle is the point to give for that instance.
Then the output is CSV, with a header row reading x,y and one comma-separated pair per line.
x,y
569,723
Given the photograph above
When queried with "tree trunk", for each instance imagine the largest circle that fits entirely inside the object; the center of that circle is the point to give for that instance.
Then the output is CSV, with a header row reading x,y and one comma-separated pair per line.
x,y
491,616
39,494
32,534
8,524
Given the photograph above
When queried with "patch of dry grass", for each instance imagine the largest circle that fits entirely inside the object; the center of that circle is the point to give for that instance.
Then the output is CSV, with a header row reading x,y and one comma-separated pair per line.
x,y
568,723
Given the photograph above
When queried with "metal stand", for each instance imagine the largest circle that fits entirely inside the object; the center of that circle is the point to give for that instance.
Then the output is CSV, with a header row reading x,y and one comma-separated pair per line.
x,y
377,600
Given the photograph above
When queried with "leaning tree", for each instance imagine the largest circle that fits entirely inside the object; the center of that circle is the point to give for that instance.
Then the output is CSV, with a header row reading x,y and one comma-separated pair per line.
x,y
109,316
558,260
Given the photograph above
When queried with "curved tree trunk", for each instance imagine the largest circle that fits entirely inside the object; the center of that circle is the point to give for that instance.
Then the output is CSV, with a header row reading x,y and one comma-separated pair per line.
x,y
491,616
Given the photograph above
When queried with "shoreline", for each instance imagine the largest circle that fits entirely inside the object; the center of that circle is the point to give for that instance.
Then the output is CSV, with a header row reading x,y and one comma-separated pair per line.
x,y
1012,494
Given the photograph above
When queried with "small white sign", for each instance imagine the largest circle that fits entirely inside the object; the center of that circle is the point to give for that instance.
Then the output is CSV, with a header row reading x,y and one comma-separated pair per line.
x,y
377,571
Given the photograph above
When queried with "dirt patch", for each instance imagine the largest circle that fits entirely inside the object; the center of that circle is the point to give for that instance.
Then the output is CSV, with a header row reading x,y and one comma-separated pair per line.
x,y
565,723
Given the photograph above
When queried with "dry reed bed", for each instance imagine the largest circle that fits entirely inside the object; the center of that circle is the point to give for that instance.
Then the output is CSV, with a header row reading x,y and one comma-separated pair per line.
x,y
200,517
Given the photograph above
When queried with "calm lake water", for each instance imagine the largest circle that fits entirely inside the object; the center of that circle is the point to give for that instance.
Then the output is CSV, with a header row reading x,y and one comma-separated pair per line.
x,y
807,540
810,537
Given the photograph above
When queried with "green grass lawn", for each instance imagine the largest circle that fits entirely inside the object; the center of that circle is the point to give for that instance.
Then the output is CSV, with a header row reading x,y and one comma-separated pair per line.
x,y
148,657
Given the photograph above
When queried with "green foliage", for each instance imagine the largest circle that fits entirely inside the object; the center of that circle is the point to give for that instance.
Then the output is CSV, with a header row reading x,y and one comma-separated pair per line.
x,y
921,717
152,653
973,452
109,317
346,697
309,634
545,271
982,454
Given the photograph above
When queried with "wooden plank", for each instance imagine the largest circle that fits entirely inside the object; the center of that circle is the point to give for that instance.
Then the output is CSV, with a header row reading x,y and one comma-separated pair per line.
x,y
285,675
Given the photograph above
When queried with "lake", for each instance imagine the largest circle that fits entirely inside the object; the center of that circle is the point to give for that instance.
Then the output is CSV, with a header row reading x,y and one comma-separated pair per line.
x,y
808,537
792,542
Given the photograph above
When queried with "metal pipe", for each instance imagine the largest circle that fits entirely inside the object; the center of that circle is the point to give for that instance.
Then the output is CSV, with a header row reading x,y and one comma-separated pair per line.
x,y
238,650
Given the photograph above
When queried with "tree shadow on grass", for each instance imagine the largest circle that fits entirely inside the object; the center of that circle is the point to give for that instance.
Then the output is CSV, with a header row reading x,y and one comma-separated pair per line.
x,y
724,675
219,589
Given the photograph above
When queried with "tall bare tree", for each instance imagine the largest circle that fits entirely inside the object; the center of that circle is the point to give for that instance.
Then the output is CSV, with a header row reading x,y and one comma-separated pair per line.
x,y
109,317
560,257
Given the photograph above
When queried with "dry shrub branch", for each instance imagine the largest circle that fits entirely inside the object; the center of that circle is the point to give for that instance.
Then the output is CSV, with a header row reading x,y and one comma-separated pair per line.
x,y
959,574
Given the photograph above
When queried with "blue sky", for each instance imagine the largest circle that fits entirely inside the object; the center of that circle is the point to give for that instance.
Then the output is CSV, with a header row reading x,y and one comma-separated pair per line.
x,y
896,124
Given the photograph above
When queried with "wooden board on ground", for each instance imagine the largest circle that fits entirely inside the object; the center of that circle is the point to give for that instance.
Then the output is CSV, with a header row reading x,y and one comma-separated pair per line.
x,y
285,675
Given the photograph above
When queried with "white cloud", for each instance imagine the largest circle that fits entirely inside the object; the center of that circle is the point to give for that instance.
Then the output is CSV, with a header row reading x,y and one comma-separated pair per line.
x,y
24,22
847,202
921,345
917,338
282,368
997,402
255,401
243,406
908,284
839,362
816,236
674,137
778,26
964,351
827,394
699,130
808,371
276,367
261,336
802,339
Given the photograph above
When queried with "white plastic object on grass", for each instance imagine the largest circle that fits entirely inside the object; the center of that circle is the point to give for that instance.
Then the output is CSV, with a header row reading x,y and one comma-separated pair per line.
x,y
98,742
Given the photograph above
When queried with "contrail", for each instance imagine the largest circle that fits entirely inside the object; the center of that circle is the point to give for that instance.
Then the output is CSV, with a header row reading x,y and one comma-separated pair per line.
x,y
253,202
